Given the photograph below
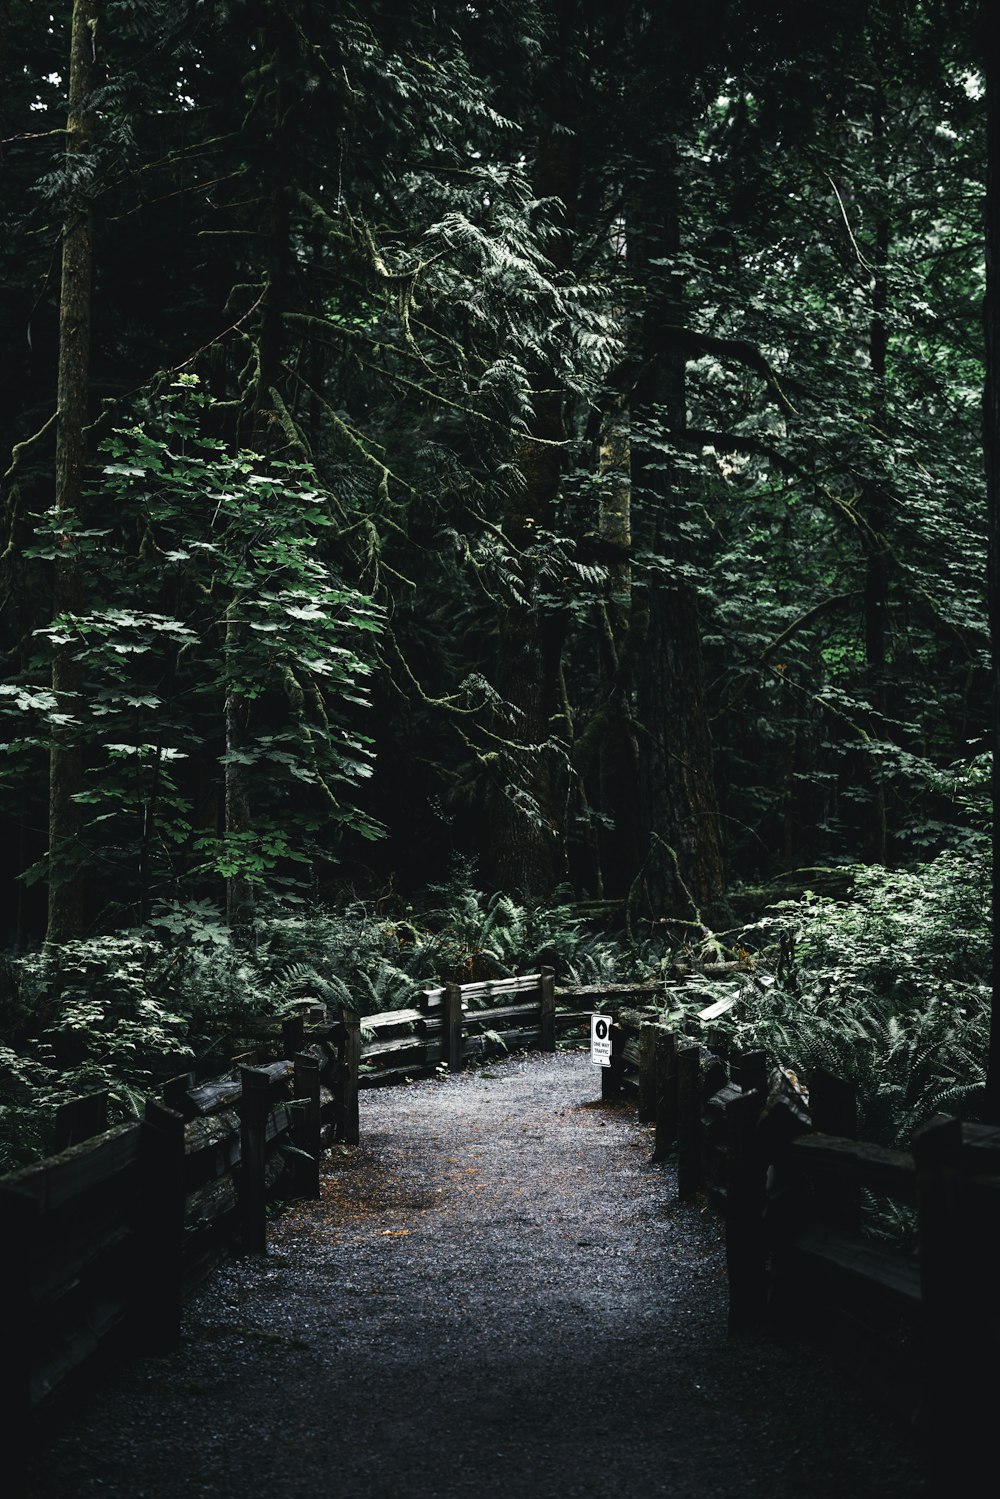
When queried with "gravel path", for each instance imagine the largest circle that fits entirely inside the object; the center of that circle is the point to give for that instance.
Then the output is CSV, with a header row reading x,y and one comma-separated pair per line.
x,y
495,1295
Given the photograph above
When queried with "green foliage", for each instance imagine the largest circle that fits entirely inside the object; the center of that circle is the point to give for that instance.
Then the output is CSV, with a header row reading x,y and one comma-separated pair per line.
x,y
889,989
219,591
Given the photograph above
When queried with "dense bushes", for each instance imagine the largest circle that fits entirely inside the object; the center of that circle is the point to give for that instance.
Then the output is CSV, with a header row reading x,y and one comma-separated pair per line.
x,y
888,987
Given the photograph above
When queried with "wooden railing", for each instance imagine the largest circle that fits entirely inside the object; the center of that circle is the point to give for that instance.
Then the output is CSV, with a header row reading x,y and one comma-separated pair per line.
x,y
916,1318
99,1242
457,1021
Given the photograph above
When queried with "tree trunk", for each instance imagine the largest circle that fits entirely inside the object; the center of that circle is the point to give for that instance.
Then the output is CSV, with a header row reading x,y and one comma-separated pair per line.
x,y
526,832
263,431
876,591
991,445
67,874
524,826
682,871
621,844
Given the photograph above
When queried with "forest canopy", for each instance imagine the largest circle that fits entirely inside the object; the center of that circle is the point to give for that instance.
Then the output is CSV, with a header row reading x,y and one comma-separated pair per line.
x,y
544,434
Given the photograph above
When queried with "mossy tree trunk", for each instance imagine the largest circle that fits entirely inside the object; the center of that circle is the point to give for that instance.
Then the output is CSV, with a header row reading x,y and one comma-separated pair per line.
x,y
527,830
991,444
67,871
682,872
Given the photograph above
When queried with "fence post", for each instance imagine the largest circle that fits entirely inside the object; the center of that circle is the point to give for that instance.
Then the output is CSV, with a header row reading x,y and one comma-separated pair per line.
x,y
665,1057
160,1267
255,1102
833,1109
647,1071
548,1009
688,1119
611,1077
19,1218
293,1035
451,1027
347,1116
944,1276
750,1072
745,1194
306,1124
174,1090
80,1119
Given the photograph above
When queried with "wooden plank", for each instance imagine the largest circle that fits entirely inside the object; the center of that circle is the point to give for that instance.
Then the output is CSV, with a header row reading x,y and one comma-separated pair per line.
x,y
486,987
63,1178
611,1077
665,1066
157,1292
491,1017
209,1203
511,1040
746,1178
81,1119
347,1117
865,1259
452,1032
59,1267
876,1167
833,1104
595,992
750,1071
208,1098
981,1147
389,1019
548,1009
19,1226
306,1126
254,1106
688,1119
948,1278
211,1147
105,1317
391,1046
647,1071
720,1007
428,1054
293,1035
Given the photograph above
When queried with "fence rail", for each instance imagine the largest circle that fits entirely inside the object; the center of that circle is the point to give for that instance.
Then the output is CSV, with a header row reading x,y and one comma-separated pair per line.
x,y
916,1320
99,1242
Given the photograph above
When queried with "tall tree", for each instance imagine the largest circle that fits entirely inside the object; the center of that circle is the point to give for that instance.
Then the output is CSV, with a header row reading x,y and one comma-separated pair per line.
x,y
991,445
67,873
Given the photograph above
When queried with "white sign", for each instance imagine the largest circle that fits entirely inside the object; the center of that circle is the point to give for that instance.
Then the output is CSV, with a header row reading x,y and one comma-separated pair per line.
x,y
600,1040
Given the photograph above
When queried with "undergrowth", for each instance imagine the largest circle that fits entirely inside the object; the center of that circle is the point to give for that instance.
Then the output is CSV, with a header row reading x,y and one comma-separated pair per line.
x,y
888,988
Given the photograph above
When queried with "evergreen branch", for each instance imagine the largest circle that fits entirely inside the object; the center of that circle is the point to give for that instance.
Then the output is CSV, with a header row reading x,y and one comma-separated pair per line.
x,y
19,448
352,437
34,135
824,607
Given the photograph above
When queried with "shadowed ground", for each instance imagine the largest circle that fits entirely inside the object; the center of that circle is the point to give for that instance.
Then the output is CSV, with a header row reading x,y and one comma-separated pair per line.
x,y
495,1295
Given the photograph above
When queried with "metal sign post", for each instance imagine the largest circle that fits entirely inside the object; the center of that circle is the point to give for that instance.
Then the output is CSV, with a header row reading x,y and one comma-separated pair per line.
x,y
600,1040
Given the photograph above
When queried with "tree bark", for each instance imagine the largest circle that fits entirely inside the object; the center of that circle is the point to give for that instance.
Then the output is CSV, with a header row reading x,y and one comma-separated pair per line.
x,y
67,874
991,446
527,835
682,871
876,591
263,429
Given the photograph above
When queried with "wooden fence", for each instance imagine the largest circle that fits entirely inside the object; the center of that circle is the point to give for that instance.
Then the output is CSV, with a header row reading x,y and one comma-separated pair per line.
x,y
99,1242
918,1317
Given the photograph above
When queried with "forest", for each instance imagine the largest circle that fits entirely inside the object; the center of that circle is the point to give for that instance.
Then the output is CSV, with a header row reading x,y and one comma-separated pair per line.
x,y
496,484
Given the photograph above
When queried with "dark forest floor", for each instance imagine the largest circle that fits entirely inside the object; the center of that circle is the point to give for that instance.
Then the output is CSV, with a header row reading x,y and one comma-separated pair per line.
x,y
497,1294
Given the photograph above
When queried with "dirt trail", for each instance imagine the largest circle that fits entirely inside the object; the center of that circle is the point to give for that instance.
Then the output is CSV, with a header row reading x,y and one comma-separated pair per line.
x,y
495,1295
